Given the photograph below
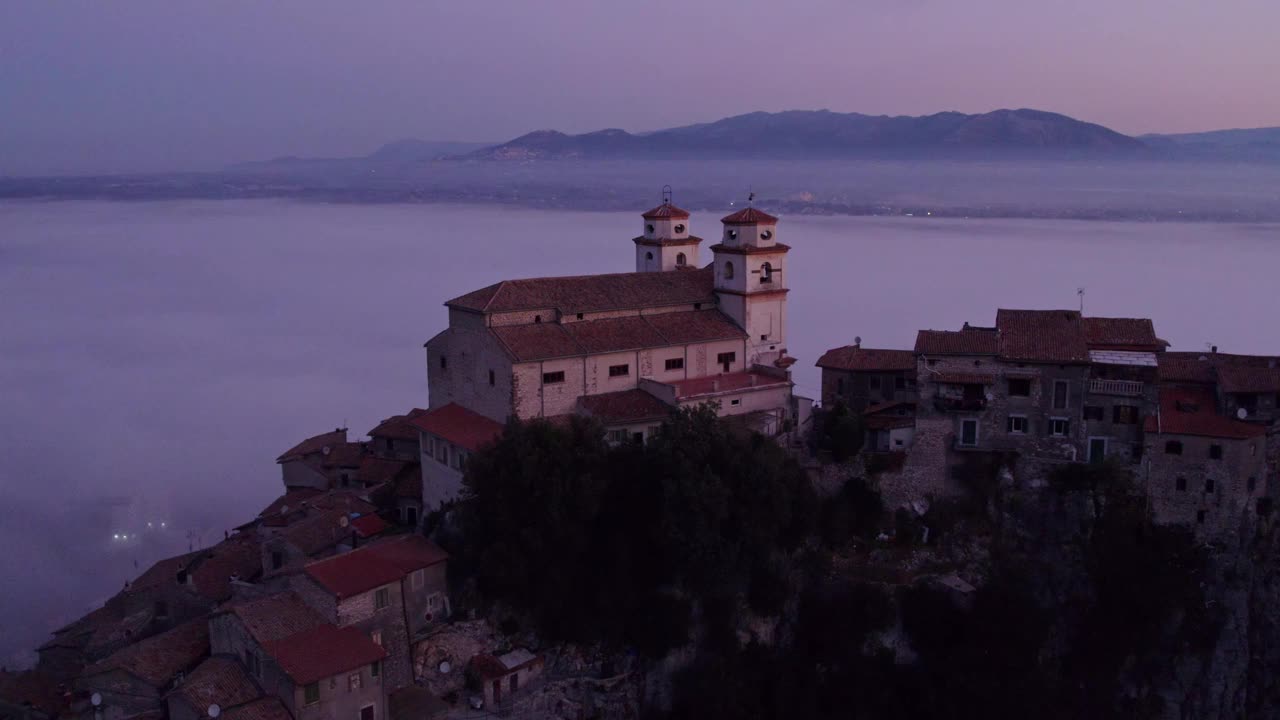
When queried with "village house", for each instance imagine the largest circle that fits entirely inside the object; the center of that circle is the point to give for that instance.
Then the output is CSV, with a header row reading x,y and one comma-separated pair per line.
x,y
683,333
396,438
30,695
316,670
501,677
393,591
135,679
447,435
219,681
317,526
862,377
322,462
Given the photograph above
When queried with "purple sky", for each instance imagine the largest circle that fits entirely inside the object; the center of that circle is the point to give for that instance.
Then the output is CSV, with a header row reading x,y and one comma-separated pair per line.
x,y
156,84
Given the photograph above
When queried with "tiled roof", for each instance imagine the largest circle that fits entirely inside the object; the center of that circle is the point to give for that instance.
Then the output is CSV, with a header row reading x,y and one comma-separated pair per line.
x,y
460,426
970,341
749,216
367,526
290,500
266,708
275,617
855,358
210,569
398,427
375,565
1248,379
344,455
624,406
1055,336
1187,367
728,382
159,658
323,651
314,444
32,688
1175,419
219,680
375,470
665,210
593,293
319,530
1130,333
544,341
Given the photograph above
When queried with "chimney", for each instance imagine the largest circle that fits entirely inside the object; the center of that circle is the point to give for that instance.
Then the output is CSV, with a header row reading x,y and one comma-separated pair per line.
x,y
1214,348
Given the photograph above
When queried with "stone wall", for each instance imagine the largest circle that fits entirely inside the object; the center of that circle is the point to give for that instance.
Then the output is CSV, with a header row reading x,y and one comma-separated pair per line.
x,y
361,611
1213,497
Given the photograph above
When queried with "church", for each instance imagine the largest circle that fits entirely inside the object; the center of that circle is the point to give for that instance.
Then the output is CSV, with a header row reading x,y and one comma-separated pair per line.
x,y
624,348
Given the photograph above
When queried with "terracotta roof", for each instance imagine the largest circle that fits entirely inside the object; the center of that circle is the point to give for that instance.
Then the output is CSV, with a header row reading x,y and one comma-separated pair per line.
x,y
219,680
398,427
1055,336
970,341
541,341
860,359
320,529
159,658
460,426
963,379
490,667
592,293
323,651
1204,421
1248,379
375,470
275,617
344,454
291,500
624,406
665,210
1186,367
1128,333
679,328
240,556
544,341
32,688
749,216
728,382
614,334
314,444
367,526
265,708
372,566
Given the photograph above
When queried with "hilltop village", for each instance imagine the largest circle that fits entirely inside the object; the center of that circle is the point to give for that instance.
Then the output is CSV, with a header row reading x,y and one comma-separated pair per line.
x,y
335,600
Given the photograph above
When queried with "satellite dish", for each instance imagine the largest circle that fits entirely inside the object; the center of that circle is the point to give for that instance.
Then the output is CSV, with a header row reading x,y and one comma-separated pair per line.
x,y
445,667
990,397
96,699
1242,413
326,450
857,339
343,521
284,509
214,710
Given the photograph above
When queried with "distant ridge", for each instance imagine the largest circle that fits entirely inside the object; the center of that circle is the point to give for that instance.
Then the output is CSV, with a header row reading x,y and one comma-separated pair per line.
x,y
822,133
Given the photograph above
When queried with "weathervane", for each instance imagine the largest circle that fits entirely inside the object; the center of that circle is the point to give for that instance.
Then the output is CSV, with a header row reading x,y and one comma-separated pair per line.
x,y
666,194
751,197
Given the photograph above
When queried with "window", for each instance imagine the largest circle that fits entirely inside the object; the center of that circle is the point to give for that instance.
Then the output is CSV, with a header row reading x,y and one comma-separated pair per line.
x,y
1208,485
442,452
681,260
579,316
728,270
1252,484
277,559
900,383
617,436
648,256
537,318
1060,388
376,637
1093,412
552,378
766,234
493,378
764,338
735,402
375,669
648,229
1124,415
345,480
381,598
619,370
1180,484
1200,517
969,432
726,358
839,386
1018,424
353,682
1173,447
419,578
874,382
1059,427
444,363
459,459
433,602
1019,387
255,665
731,234
766,273
1215,452
675,364
428,447
161,609
679,227
311,694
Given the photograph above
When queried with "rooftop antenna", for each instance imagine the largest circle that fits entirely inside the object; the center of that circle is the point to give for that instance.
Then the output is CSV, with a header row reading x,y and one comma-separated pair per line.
x,y
666,194
1080,292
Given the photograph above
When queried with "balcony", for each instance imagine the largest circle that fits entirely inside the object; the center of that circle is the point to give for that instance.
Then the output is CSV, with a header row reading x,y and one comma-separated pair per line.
x,y
948,404
1125,388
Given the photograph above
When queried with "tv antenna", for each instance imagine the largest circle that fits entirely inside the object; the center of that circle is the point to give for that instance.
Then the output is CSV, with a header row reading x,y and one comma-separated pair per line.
x,y
666,194
1080,292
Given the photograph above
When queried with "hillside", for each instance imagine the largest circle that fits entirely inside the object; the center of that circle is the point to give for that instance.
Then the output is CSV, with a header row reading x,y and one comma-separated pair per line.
x,y
822,133
1239,144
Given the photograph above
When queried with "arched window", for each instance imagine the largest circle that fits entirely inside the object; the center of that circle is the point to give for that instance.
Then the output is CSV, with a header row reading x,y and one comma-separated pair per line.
x,y
766,273
537,318
728,271
648,229
680,259
648,256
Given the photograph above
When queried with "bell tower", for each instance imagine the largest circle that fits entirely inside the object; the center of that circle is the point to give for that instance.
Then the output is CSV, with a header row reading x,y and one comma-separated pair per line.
x,y
666,243
751,283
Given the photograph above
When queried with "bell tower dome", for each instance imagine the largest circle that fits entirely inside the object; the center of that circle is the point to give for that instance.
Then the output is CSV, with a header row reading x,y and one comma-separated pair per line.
x,y
751,282
666,243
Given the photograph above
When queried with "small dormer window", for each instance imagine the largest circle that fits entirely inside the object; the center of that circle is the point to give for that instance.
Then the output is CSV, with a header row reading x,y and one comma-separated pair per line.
x,y
766,234
681,259
648,229
728,271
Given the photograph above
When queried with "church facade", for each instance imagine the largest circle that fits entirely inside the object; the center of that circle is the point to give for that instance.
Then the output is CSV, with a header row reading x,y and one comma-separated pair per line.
x,y
627,347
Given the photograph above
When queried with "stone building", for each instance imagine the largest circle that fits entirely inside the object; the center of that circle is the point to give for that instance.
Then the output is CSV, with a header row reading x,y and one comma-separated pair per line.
x,y
396,438
534,348
446,436
322,462
218,681
135,679
313,526
502,677
861,377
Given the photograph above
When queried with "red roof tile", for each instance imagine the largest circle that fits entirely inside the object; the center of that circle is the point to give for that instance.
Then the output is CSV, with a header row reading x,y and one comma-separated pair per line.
x,y
1055,336
1204,421
367,526
398,427
372,566
544,341
219,680
728,382
344,455
970,341
592,293
323,651
749,216
1248,379
291,500
541,341
679,328
266,708
159,658
375,470
614,334
625,406
860,359
665,210
1186,367
314,444
32,688
1127,333
275,617
460,426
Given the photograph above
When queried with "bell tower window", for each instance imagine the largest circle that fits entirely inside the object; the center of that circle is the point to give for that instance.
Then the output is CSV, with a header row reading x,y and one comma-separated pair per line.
x,y
681,260
648,256
679,228
766,273
649,228
728,271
